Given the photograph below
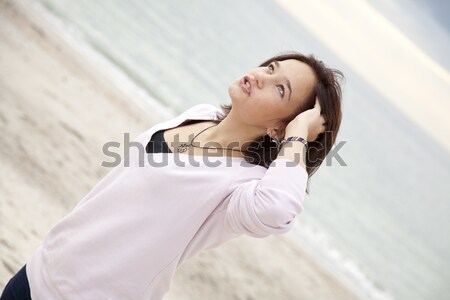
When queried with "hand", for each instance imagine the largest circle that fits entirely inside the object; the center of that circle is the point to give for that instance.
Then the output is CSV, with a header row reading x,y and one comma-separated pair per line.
x,y
309,122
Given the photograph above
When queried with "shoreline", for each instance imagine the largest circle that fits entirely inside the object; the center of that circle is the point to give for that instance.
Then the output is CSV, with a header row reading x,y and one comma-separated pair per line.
x,y
104,69
57,112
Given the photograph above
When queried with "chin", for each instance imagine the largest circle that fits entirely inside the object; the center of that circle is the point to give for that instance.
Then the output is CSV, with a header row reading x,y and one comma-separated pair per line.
x,y
235,94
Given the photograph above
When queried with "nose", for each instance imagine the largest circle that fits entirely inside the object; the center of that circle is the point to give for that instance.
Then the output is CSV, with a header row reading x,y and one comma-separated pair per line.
x,y
259,78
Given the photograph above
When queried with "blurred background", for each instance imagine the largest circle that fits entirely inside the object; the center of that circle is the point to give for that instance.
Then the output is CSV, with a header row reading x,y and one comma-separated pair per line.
x,y
380,220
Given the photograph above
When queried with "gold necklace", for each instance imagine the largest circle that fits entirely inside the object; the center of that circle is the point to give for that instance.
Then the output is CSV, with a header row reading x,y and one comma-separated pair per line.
x,y
183,147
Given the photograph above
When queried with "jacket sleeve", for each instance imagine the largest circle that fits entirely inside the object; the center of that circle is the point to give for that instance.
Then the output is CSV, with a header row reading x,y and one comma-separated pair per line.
x,y
269,205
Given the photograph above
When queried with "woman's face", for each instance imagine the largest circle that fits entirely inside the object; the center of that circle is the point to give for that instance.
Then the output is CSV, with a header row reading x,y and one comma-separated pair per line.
x,y
267,95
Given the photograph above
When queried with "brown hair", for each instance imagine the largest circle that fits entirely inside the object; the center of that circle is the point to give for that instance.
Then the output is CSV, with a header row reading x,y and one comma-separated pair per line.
x,y
263,150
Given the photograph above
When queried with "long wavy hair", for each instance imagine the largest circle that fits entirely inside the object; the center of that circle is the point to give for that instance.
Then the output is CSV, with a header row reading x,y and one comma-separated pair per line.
x,y
264,150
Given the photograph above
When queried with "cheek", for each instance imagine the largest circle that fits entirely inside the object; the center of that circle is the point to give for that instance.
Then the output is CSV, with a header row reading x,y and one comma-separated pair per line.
x,y
257,109
257,113
269,104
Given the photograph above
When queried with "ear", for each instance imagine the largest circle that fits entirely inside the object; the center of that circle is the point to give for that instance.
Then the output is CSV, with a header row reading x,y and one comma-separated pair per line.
x,y
276,133
280,133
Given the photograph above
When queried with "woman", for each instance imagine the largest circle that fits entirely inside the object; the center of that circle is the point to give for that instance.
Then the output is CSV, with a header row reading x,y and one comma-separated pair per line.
x,y
191,184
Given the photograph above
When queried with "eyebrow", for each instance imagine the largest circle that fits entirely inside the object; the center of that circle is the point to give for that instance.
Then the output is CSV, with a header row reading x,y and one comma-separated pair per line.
x,y
277,64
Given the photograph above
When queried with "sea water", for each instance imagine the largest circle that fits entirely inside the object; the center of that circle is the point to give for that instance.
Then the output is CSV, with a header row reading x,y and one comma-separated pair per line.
x,y
378,218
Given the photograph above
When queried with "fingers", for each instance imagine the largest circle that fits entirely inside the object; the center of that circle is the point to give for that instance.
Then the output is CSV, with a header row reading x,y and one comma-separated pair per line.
x,y
324,124
317,104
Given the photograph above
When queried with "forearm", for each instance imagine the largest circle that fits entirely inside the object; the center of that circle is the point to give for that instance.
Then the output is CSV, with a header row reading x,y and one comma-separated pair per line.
x,y
295,150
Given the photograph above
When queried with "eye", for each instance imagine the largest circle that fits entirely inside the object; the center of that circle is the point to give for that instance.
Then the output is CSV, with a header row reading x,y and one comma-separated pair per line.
x,y
281,90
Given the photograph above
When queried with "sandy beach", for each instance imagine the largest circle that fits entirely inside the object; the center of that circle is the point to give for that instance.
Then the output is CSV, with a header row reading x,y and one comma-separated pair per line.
x,y
57,111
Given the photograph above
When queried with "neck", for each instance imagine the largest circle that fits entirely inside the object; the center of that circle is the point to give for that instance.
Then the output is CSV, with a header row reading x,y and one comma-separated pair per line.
x,y
232,133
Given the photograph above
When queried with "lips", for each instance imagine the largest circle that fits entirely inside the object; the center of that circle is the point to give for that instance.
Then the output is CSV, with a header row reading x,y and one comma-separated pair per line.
x,y
246,84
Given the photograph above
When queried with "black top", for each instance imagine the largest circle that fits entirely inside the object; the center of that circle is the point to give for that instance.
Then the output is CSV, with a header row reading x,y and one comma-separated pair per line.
x,y
157,144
